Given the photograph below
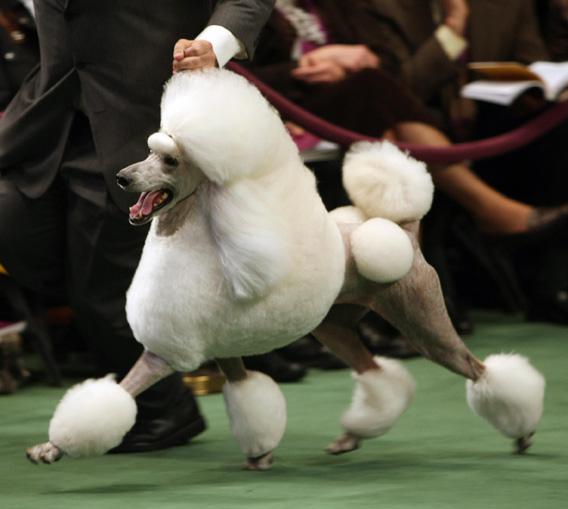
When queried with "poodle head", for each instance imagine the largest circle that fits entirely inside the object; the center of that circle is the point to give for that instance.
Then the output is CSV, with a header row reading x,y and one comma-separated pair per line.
x,y
215,126
163,179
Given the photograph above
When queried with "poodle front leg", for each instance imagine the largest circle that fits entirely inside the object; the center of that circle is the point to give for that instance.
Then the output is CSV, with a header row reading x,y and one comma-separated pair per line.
x,y
383,389
257,412
94,416
148,370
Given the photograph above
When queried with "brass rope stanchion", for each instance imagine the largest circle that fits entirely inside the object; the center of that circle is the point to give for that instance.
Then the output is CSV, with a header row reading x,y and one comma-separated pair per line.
x,y
204,381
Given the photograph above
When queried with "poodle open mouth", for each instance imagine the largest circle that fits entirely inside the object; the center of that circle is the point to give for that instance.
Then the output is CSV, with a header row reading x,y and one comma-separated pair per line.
x,y
148,204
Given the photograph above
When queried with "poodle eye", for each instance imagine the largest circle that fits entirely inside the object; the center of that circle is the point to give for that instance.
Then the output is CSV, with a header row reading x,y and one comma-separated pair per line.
x,y
170,161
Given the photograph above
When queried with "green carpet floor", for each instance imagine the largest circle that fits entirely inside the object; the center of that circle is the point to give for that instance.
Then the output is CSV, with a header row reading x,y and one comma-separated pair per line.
x,y
439,456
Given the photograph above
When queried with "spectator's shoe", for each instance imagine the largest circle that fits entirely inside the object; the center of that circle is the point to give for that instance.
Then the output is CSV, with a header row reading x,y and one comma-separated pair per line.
x,y
380,343
12,370
177,426
543,223
309,352
554,310
276,367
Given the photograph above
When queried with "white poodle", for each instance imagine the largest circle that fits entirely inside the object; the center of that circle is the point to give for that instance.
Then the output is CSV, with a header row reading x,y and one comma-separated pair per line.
x,y
242,257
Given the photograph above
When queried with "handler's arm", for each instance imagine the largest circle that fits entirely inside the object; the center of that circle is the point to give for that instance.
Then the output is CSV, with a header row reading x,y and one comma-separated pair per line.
x,y
233,31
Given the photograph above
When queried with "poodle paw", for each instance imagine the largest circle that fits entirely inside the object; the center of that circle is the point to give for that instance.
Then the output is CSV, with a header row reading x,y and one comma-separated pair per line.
x,y
345,443
263,462
523,443
46,453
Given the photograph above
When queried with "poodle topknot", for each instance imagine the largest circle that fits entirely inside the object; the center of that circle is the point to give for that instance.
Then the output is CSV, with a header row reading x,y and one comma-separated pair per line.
x,y
203,110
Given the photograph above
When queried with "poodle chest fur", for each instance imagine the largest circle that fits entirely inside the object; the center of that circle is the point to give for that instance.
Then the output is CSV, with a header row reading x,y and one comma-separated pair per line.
x,y
181,307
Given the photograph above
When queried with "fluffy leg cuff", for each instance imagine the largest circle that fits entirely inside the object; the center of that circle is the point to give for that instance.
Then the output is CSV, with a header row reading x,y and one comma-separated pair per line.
x,y
92,418
509,394
380,398
257,413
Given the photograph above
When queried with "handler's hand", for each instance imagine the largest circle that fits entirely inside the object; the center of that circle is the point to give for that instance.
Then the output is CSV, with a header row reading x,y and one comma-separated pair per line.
x,y
456,13
191,55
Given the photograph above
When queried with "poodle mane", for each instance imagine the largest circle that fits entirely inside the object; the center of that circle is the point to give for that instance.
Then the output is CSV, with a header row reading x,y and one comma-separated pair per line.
x,y
224,126
250,237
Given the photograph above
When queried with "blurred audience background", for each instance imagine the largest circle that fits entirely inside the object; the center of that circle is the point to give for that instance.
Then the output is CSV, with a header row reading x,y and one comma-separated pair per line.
x,y
498,231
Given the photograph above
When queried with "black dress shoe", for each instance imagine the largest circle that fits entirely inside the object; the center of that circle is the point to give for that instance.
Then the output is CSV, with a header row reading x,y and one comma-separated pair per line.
x,y
301,351
543,223
276,367
552,310
459,316
380,343
177,425
309,352
400,348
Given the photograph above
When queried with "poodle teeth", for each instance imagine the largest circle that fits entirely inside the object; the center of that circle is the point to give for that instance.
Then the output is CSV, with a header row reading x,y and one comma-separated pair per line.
x,y
161,199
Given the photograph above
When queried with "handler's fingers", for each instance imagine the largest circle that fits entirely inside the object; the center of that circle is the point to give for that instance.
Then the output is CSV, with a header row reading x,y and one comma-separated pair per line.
x,y
179,48
198,48
190,63
191,55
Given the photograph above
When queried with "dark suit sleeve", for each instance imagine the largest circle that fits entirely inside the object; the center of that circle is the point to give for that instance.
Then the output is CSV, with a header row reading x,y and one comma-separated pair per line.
x,y
424,68
429,69
529,45
243,18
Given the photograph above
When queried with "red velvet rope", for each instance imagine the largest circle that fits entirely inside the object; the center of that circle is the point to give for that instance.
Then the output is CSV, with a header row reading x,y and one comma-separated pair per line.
x,y
480,149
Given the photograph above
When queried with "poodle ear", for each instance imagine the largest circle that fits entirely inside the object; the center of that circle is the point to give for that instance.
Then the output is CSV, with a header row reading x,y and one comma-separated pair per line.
x,y
162,143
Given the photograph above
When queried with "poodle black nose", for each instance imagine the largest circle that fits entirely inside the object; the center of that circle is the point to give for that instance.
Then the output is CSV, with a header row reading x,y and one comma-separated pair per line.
x,y
123,182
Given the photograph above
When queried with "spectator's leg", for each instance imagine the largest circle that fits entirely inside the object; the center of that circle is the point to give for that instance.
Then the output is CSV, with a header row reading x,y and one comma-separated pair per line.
x,y
493,211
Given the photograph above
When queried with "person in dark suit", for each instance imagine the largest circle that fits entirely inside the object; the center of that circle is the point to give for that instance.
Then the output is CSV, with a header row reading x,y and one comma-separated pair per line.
x,y
553,15
80,116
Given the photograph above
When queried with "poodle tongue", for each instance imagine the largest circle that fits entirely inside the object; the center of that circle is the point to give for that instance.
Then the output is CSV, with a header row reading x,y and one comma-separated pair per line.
x,y
145,204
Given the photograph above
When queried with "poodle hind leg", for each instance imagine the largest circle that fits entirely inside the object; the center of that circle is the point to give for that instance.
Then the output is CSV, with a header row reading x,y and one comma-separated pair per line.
x,y
257,412
505,389
383,388
415,306
94,416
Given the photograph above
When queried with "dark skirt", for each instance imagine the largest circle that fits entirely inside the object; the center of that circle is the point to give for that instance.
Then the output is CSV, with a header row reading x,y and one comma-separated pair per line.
x,y
368,102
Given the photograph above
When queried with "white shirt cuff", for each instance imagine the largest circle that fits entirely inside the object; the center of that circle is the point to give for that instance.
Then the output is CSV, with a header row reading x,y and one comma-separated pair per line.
x,y
225,44
452,44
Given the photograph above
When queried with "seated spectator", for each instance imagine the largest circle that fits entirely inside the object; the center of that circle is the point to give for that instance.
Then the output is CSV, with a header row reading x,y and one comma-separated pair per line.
x,y
328,56
19,51
432,41
554,18
311,53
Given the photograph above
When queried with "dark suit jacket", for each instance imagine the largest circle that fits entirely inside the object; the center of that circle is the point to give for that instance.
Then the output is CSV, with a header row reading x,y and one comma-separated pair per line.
x,y
110,58
497,30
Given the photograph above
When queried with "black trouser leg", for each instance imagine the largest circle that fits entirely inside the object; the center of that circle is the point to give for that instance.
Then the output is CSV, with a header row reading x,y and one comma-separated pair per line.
x,y
103,253
73,242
